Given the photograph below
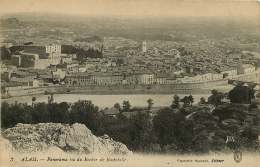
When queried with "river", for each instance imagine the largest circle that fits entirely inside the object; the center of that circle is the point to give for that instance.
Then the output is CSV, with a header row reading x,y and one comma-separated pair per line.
x,y
106,100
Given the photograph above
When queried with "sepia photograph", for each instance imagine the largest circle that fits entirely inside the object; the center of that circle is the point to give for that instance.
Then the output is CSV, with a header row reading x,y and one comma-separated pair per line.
x,y
158,83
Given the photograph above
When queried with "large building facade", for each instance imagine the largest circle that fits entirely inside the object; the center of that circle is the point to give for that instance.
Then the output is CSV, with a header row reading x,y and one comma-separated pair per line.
x,y
84,79
53,48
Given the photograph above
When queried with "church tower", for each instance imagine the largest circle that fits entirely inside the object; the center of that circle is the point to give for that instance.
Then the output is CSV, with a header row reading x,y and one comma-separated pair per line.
x,y
144,47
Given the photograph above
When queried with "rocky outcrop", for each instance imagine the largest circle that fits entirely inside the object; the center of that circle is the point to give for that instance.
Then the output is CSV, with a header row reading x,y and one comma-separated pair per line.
x,y
69,138
5,145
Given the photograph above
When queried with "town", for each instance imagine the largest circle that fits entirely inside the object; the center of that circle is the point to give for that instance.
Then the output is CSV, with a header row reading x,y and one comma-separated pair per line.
x,y
117,61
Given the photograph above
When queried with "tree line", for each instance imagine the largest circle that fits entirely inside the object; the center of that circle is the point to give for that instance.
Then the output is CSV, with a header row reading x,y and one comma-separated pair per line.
x,y
181,127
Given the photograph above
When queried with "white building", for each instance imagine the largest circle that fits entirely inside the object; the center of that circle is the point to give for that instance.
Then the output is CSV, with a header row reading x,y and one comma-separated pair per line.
x,y
59,74
145,78
53,48
161,80
174,52
41,63
19,59
66,59
54,58
29,81
144,47
82,68
54,53
178,72
197,78
73,67
217,76
246,69
3,68
206,77
230,72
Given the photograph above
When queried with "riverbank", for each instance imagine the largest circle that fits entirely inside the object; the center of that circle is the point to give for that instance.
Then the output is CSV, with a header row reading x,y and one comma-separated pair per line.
x,y
111,90
178,88
102,101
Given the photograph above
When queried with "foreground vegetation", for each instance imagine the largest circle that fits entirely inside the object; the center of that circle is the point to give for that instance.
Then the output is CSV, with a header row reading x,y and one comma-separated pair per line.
x,y
180,128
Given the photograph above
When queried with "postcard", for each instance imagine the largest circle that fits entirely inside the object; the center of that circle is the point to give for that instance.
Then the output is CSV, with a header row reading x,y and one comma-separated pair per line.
x,y
166,83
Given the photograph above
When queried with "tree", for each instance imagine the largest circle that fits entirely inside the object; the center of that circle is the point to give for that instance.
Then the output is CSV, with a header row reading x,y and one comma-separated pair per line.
x,y
150,103
15,113
41,113
166,125
84,111
241,94
186,101
202,101
126,106
117,106
216,98
6,115
141,131
5,53
191,99
59,112
33,100
175,102
50,99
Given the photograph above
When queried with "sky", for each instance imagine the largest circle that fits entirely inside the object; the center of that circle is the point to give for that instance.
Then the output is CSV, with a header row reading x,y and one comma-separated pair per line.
x,y
233,8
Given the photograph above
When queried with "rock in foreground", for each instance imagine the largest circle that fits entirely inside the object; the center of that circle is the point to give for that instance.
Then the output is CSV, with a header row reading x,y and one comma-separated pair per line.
x,y
69,138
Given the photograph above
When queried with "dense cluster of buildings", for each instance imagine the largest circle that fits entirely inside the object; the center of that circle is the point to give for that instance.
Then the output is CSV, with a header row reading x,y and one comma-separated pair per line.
x,y
141,63
145,78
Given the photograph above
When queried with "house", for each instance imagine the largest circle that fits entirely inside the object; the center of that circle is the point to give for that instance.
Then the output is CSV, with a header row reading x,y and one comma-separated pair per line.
x,y
107,79
178,72
111,112
16,60
206,77
27,59
229,72
58,74
53,48
152,112
174,52
66,59
130,79
82,68
145,78
54,58
73,67
29,81
39,50
216,76
161,79
79,79
3,68
246,69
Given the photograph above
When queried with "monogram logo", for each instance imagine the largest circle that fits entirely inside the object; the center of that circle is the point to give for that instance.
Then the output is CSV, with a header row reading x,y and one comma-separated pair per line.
x,y
237,156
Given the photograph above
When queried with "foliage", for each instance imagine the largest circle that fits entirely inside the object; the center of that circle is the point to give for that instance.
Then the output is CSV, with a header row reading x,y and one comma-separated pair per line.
x,y
117,106
150,103
126,106
175,102
166,126
187,100
186,129
81,53
82,111
202,101
241,94
216,98
5,53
